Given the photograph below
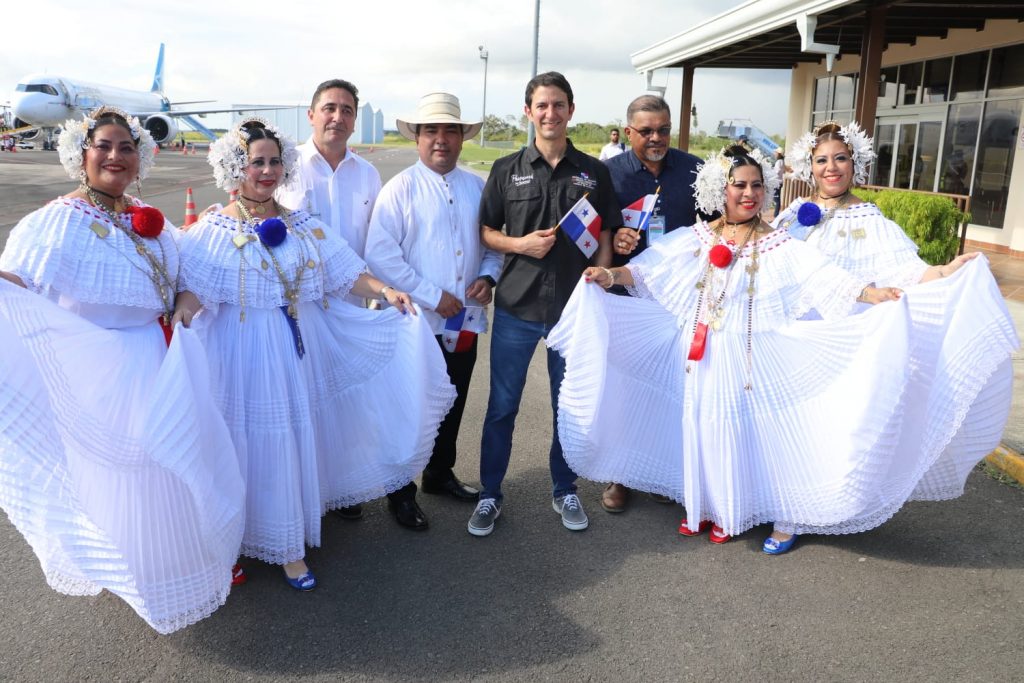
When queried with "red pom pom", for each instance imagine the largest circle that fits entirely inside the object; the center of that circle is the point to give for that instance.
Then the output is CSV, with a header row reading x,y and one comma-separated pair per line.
x,y
720,256
146,220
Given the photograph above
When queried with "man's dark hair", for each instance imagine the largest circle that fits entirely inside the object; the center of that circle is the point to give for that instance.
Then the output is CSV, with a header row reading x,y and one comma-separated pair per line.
x,y
648,103
613,130
335,83
549,79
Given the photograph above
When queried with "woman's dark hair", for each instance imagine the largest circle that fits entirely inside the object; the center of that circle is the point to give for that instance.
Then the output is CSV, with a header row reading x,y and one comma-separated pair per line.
x,y
108,118
257,131
826,132
741,157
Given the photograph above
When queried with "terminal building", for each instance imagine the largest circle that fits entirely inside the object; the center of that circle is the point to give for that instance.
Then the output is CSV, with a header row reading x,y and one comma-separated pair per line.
x,y
939,84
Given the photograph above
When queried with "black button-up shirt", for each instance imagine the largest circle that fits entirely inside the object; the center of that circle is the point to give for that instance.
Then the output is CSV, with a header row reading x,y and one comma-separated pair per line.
x,y
675,202
524,194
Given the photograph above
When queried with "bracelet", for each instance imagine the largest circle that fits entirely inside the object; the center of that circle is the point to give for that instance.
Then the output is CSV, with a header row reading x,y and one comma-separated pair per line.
x,y
384,290
611,276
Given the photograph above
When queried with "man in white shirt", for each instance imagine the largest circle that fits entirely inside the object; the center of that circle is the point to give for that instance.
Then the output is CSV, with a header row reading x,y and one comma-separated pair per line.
x,y
425,238
614,148
334,184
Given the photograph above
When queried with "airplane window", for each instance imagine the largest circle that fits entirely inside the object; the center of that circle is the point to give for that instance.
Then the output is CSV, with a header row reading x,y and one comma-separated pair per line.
x,y
38,87
21,88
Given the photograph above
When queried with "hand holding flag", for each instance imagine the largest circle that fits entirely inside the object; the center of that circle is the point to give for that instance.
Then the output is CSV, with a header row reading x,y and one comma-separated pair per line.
x,y
638,214
455,337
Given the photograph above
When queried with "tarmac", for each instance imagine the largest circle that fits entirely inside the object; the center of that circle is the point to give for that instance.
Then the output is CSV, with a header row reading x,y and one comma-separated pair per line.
x,y
932,595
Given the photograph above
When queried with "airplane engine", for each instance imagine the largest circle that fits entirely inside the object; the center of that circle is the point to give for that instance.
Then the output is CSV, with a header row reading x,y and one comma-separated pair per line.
x,y
31,135
162,128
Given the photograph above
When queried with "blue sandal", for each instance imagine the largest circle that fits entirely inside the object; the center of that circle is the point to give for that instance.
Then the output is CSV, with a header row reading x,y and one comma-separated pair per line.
x,y
776,547
306,582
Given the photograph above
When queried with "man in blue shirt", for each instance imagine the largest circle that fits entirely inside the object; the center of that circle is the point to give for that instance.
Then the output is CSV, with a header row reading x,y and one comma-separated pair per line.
x,y
650,163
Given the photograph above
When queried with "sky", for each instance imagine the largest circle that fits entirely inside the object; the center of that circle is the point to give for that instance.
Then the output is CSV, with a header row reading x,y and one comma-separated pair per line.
x,y
264,52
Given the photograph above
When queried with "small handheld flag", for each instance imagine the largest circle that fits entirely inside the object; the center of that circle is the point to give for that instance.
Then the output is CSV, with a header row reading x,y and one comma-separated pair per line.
x,y
583,225
638,214
455,337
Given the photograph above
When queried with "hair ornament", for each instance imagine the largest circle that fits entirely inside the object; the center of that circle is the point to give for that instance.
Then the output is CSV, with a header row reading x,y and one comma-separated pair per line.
x,y
859,143
229,155
74,140
716,172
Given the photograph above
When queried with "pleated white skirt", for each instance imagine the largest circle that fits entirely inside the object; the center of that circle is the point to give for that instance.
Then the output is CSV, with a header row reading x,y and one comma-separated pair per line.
x,y
114,462
844,423
354,419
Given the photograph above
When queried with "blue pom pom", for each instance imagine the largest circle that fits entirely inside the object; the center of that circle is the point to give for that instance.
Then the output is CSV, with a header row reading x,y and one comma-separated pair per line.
x,y
272,232
809,214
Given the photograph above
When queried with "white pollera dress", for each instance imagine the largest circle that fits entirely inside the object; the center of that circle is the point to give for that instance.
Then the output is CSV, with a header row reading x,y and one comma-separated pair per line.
x,y
962,337
819,441
114,462
351,419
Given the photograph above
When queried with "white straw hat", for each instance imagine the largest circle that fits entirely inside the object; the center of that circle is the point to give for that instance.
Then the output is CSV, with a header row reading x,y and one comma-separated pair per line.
x,y
437,108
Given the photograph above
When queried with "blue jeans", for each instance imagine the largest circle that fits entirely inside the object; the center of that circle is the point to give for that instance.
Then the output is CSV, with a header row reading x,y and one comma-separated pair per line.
x,y
513,342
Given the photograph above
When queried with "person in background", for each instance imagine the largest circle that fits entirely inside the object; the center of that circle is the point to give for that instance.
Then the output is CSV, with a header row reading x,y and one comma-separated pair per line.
x,y
614,147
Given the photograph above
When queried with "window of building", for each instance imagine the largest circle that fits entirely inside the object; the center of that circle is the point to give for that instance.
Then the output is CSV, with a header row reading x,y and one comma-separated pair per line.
x,y
1007,76
980,96
969,76
958,148
1000,129
936,80
909,83
887,87
834,98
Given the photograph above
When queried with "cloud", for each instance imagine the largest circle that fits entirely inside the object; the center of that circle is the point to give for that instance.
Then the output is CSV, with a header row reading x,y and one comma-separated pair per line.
x,y
263,51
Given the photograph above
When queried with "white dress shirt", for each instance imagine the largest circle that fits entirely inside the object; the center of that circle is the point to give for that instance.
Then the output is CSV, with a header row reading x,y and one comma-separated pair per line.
x,y
425,238
342,198
612,149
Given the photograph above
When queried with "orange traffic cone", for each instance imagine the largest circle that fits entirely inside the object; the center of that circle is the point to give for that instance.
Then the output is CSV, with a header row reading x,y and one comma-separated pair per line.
x,y
233,196
190,208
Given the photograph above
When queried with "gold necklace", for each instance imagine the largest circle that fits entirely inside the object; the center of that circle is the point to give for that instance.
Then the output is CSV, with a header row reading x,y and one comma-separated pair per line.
x,y
259,209
158,273
291,287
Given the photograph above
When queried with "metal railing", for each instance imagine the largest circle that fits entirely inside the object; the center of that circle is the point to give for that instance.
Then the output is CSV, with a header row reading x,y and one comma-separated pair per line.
x,y
791,189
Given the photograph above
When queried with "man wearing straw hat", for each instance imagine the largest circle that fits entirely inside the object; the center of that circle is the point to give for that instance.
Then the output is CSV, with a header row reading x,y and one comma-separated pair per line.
x,y
526,198
425,238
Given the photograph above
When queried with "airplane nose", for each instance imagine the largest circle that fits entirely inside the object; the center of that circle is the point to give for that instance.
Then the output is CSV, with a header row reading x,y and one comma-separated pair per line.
x,y
39,109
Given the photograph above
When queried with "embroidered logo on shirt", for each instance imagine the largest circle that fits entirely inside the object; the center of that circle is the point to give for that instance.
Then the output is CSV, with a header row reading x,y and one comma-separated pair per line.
x,y
584,180
520,180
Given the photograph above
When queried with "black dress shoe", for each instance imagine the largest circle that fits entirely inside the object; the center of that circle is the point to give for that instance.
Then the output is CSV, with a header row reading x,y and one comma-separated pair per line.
x,y
408,514
350,513
452,487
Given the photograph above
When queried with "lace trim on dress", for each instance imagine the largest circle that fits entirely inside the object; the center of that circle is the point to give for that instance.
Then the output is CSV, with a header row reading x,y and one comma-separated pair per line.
x,y
212,262
58,249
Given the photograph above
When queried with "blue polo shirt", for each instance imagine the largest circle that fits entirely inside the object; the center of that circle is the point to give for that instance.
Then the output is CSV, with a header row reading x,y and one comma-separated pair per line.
x,y
632,180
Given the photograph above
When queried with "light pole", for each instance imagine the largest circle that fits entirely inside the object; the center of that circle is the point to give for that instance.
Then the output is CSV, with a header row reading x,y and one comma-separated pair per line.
x,y
484,55
530,132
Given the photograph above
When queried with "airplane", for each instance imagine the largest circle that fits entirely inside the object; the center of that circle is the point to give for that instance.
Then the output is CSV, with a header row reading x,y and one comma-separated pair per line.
x,y
42,103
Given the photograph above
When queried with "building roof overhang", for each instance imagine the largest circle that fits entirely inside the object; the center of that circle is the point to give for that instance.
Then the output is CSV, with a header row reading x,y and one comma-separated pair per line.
x,y
763,34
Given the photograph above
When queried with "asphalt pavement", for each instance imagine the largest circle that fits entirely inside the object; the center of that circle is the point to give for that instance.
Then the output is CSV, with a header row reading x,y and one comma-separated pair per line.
x,y
932,595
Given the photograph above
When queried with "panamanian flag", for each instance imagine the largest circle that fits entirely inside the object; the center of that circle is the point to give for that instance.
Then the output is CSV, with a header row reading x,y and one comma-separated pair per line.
x,y
638,214
583,225
455,337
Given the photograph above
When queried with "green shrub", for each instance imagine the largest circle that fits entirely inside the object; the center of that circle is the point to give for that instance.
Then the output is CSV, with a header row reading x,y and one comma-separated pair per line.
x,y
933,222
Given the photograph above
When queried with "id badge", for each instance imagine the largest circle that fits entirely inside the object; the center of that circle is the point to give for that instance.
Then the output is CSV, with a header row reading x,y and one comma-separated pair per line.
x,y
656,228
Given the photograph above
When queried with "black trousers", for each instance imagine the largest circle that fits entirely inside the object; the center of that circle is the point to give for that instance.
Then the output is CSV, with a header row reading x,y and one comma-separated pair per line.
x,y
442,460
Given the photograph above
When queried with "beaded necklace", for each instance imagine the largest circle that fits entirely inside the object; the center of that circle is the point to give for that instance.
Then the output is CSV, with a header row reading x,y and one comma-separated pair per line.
x,y
711,308
290,286
158,273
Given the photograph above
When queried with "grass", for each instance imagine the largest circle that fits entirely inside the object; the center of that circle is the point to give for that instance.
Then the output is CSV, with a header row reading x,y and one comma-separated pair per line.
x,y
999,475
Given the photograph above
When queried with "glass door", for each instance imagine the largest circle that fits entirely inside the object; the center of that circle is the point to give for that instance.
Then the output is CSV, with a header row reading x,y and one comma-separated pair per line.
x,y
908,149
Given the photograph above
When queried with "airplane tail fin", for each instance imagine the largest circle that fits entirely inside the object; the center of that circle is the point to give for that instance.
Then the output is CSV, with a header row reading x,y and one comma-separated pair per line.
x,y
158,77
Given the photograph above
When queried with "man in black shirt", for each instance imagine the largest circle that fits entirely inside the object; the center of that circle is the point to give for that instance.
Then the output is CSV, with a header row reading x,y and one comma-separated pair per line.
x,y
525,197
